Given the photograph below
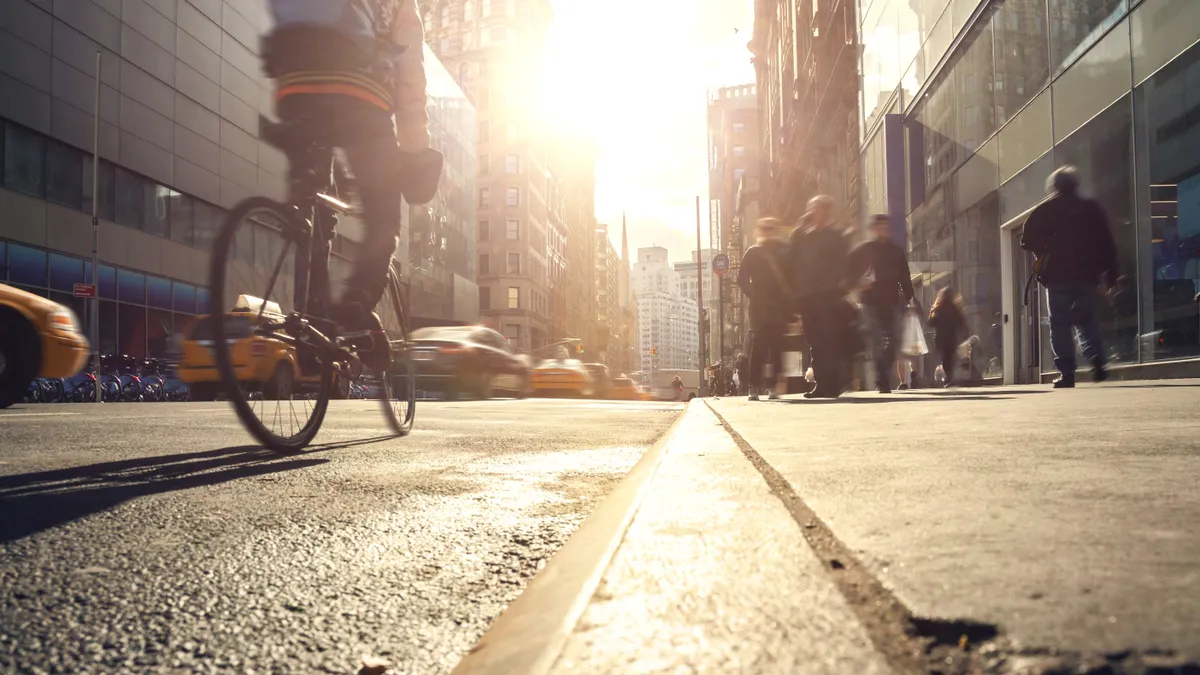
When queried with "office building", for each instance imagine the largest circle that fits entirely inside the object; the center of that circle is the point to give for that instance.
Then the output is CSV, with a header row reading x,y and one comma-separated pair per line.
x,y
666,317
970,110
181,92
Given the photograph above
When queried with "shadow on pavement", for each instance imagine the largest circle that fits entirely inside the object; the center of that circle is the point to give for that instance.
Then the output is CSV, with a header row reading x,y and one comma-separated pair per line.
x,y
892,398
33,502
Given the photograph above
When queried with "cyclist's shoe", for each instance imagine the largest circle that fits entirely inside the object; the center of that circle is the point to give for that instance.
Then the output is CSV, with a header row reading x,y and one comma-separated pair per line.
x,y
364,330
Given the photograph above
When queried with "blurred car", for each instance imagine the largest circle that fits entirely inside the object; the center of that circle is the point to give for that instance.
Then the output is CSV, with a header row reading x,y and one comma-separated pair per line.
x,y
38,338
468,361
600,379
624,389
258,360
562,377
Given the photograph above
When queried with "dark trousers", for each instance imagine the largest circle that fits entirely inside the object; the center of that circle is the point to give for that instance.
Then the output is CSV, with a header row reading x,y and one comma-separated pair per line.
x,y
366,134
766,350
1073,308
884,324
823,330
947,348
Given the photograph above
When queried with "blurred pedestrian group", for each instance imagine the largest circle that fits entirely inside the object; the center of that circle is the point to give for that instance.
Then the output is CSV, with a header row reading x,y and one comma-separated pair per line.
x,y
857,300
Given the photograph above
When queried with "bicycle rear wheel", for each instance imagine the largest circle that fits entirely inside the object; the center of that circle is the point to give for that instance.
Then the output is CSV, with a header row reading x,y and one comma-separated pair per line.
x,y
279,386
399,385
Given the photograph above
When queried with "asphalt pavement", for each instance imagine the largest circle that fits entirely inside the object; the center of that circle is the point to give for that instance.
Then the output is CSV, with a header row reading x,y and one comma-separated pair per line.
x,y
153,538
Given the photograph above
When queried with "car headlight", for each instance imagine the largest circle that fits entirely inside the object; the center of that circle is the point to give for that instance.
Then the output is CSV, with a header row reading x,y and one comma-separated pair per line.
x,y
62,320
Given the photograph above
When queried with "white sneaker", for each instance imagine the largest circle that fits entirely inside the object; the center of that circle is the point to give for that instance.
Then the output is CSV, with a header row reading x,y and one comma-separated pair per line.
x,y
753,395
773,397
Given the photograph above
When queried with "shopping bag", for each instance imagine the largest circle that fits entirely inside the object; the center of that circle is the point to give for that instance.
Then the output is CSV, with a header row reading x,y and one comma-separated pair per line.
x,y
912,340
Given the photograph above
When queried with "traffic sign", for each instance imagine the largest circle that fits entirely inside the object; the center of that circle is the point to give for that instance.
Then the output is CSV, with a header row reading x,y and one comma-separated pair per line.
x,y
720,263
84,290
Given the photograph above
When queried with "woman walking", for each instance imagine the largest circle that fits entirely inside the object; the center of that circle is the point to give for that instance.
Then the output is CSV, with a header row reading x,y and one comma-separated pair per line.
x,y
772,304
948,318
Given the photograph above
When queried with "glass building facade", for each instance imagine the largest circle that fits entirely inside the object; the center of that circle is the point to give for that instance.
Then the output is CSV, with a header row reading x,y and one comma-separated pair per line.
x,y
968,105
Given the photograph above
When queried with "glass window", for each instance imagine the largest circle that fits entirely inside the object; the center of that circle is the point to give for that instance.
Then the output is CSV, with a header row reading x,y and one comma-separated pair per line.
x,y
202,301
65,272
64,175
208,221
158,292
512,164
1027,137
739,151
104,188
130,197
184,297
1022,56
1161,30
512,196
485,230
512,229
485,298
182,216
738,127
27,265
514,263
108,280
156,208
1093,83
514,297
158,333
3,260
243,244
1075,25
24,160
131,286
1168,201
131,330
485,198
973,82
108,328
1026,188
484,267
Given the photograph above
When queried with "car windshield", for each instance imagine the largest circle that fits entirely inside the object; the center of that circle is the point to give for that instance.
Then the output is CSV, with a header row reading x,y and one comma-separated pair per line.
x,y
236,327
444,333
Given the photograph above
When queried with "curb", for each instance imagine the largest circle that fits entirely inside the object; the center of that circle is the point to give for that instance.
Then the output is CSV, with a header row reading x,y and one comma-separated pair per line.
x,y
529,635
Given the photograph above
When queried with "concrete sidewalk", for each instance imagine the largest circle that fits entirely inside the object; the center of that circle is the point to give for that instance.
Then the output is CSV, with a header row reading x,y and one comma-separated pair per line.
x,y
1006,530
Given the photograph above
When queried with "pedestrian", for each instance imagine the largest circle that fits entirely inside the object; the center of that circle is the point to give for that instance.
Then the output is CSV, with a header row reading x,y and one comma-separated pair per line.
x,y
772,303
948,317
818,252
1075,251
742,373
880,270
677,387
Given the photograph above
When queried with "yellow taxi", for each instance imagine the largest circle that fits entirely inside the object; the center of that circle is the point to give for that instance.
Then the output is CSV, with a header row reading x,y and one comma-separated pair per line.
x,y
624,389
561,377
38,338
260,361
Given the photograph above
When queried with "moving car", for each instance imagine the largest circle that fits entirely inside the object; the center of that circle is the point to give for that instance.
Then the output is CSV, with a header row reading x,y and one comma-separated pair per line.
x,y
600,379
468,361
259,361
624,389
562,377
38,338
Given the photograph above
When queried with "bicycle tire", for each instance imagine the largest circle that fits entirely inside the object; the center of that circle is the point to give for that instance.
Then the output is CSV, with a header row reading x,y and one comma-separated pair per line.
x,y
238,396
398,386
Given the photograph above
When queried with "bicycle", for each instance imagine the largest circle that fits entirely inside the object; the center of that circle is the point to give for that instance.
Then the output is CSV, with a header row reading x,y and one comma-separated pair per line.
x,y
290,244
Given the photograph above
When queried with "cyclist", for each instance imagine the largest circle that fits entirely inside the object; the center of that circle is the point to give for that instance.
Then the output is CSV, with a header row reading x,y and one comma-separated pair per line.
x,y
346,67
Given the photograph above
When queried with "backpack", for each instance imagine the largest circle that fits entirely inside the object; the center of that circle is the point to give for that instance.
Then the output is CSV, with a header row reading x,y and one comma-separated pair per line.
x,y
355,20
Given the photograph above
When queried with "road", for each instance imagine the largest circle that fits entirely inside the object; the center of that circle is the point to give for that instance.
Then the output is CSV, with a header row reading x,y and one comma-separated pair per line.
x,y
157,538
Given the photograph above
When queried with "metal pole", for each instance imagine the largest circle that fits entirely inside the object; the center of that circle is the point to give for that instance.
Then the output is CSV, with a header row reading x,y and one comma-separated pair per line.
x,y
96,235
700,351
721,319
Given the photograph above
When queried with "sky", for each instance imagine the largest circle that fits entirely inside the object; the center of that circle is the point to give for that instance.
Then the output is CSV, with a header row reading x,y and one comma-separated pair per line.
x,y
636,74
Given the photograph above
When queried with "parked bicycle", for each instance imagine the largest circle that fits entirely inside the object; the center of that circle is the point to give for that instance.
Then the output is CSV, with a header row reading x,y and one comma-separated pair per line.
x,y
279,256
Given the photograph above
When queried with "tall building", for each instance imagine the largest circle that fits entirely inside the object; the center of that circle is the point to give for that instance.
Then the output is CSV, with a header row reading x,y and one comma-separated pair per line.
x,y
805,63
968,112
575,163
688,283
529,230
181,91
733,158
666,318
628,357
612,343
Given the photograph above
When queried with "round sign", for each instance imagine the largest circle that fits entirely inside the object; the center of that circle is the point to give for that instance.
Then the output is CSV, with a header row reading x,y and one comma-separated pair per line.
x,y
720,263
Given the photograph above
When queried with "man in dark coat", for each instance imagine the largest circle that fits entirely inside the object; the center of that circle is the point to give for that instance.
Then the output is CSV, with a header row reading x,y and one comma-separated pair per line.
x,y
761,278
880,270
1075,252
818,251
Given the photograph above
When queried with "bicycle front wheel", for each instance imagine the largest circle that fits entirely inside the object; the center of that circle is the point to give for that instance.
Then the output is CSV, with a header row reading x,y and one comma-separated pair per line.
x,y
399,385
279,386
